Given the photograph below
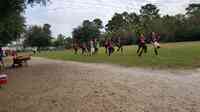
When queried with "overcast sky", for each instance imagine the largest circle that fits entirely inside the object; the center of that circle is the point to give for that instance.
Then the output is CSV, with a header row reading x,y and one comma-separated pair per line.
x,y
64,15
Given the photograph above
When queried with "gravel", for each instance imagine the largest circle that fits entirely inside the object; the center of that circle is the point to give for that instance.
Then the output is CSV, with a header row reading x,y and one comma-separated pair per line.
x,y
58,86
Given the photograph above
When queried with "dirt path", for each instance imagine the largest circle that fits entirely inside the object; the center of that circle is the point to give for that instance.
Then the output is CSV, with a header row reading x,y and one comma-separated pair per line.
x,y
56,86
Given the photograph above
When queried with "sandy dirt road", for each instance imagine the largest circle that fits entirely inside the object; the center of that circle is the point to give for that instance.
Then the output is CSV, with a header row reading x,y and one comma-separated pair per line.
x,y
57,86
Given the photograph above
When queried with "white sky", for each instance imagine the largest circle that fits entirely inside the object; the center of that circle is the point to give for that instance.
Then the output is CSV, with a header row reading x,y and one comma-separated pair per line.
x,y
64,15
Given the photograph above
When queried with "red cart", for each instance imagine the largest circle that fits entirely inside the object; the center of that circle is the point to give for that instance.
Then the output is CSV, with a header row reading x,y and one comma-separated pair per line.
x,y
3,79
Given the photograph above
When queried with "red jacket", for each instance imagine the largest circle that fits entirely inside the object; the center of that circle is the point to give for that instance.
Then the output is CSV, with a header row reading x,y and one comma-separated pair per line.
x,y
142,40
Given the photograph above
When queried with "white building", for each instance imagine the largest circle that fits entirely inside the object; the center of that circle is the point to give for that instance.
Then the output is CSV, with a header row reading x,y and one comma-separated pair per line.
x,y
15,45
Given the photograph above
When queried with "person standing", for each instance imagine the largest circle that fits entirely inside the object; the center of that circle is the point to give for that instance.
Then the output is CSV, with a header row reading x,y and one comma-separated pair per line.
x,y
92,47
155,42
84,48
119,45
34,51
110,47
75,46
96,46
1,56
14,57
106,46
141,45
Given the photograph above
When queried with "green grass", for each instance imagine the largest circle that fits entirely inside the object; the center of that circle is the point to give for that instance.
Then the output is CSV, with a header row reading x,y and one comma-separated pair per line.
x,y
174,55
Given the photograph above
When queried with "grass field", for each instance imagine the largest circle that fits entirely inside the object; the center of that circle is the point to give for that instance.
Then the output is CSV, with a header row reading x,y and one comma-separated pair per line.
x,y
173,55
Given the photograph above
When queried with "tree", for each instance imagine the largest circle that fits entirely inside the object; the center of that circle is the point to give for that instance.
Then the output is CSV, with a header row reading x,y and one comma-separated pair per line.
x,y
87,31
193,13
116,23
149,13
98,23
37,36
169,23
60,41
44,2
11,28
68,42
191,24
12,20
133,24
10,7
193,9
124,25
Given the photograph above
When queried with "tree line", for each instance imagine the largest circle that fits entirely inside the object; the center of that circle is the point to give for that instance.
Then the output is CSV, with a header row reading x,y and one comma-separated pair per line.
x,y
128,26
41,37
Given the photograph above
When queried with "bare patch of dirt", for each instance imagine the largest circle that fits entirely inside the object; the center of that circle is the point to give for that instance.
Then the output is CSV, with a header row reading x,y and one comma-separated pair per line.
x,y
56,86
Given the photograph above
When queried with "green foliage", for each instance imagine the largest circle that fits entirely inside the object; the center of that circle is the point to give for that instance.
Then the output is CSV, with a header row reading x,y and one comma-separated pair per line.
x,y
148,14
12,20
133,24
116,23
44,2
87,31
98,23
193,10
180,27
11,28
60,41
68,42
37,36
150,11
